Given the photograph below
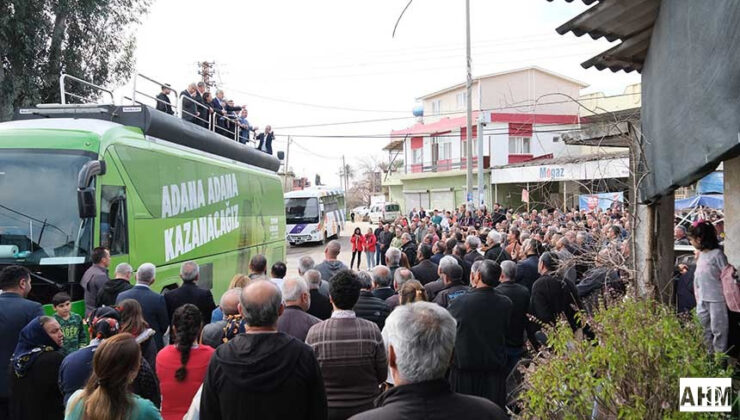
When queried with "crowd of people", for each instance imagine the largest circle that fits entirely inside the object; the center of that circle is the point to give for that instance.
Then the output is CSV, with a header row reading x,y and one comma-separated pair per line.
x,y
450,303
202,108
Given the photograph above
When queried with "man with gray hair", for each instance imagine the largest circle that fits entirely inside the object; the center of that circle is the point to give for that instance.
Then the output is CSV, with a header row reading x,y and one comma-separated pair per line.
x,y
472,243
434,287
113,287
401,276
216,333
152,303
393,259
189,292
419,340
306,263
368,306
408,247
382,280
519,296
320,306
295,321
331,265
496,252
263,372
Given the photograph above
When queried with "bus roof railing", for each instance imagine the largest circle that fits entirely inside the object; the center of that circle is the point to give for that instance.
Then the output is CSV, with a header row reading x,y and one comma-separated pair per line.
x,y
225,130
198,105
146,95
63,89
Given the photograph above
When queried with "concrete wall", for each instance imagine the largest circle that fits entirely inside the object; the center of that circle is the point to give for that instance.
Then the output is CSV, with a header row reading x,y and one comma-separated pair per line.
x,y
517,92
448,104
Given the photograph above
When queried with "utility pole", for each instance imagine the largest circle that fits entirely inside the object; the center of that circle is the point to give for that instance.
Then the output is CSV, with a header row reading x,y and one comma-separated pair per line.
x,y
469,113
287,157
481,167
206,72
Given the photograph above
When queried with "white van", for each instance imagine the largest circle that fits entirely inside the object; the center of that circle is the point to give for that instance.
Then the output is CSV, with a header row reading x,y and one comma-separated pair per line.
x,y
385,212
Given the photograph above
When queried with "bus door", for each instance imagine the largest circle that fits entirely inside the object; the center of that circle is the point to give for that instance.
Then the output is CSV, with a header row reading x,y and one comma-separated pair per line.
x,y
113,225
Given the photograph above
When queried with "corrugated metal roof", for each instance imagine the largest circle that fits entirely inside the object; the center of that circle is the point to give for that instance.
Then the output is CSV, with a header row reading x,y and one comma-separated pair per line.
x,y
630,21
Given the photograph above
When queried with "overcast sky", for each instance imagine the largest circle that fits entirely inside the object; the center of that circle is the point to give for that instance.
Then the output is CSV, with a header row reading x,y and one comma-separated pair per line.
x,y
298,63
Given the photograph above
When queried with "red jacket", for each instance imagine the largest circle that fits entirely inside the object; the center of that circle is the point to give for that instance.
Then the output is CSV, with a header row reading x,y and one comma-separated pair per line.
x,y
358,241
370,241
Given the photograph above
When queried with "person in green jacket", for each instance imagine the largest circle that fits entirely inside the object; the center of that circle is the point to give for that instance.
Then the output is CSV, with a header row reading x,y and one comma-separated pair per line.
x,y
75,335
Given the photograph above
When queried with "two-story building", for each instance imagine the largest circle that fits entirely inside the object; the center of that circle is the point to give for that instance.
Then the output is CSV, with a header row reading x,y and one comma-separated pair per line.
x,y
521,115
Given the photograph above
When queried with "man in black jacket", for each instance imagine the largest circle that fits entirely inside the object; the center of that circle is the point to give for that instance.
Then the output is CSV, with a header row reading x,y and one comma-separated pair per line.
x,y
263,373
496,252
189,292
408,247
265,140
189,104
382,278
454,287
120,283
368,306
519,296
320,305
483,316
526,269
552,296
384,240
419,339
163,100
425,270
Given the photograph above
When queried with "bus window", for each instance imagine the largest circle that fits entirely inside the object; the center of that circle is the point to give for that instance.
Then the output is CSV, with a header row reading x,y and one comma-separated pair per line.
x,y
301,210
113,226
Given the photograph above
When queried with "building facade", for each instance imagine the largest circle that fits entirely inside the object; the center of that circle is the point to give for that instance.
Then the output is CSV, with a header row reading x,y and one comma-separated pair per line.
x,y
519,116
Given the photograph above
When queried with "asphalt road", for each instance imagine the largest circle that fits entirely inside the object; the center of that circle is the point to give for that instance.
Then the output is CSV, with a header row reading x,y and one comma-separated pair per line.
x,y
316,250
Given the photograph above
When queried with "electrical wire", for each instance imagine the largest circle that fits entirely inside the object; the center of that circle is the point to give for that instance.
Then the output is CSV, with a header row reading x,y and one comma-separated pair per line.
x,y
508,107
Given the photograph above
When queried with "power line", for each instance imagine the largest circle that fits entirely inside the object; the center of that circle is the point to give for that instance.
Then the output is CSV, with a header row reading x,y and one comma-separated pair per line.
x,y
513,106
341,108
493,131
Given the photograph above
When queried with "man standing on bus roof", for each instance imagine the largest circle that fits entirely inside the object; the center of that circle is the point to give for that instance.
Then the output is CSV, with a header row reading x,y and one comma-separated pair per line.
x,y
266,140
163,100
189,108
95,277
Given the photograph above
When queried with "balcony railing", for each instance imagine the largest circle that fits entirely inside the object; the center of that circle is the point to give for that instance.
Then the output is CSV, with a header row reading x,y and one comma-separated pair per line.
x,y
443,165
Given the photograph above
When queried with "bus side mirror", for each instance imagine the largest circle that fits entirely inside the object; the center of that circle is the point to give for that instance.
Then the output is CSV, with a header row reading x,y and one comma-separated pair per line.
x,y
281,155
86,202
85,191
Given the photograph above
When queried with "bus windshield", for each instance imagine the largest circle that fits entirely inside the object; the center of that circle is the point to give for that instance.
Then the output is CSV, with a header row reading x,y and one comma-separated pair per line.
x,y
38,207
301,210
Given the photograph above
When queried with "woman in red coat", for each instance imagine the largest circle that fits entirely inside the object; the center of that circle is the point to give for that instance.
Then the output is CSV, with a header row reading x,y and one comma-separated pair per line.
x,y
370,241
358,242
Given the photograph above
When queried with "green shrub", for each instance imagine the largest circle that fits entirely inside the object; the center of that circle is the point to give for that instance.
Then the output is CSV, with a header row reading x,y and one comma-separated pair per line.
x,y
631,369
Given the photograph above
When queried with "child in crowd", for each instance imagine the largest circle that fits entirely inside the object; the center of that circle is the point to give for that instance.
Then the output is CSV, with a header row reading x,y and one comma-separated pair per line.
x,y
75,335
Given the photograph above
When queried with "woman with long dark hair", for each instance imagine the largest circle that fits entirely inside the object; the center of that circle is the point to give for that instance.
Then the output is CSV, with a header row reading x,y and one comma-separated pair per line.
x,y
711,307
358,243
34,391
132,322
181,367
106,395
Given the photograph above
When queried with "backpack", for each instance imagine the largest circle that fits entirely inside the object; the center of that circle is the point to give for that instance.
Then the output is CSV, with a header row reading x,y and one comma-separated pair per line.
x,y
731,287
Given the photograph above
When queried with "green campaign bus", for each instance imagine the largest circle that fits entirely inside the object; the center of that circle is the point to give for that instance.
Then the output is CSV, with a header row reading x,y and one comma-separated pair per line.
x,y
148,186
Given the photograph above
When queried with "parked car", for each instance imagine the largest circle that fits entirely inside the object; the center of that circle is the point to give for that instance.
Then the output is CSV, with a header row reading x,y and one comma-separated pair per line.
x,y
385,212
361,213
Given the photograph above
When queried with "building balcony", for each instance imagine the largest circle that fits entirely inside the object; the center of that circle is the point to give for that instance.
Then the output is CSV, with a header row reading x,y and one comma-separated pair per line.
x,y
444,165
